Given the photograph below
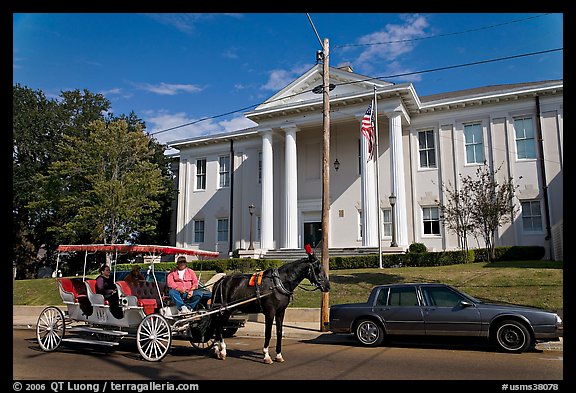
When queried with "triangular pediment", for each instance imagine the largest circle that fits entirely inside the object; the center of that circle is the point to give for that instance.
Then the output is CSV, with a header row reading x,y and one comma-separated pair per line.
x,y
307,89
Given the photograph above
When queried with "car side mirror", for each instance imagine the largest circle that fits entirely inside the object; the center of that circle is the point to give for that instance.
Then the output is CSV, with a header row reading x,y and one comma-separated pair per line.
x,y
465,303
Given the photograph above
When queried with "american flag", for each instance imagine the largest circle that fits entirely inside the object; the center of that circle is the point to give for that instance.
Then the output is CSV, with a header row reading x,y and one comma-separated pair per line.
x,y
367,129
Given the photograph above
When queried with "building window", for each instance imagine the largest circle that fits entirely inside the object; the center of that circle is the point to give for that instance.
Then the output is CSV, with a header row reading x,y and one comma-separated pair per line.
x,y
525,143
222,230
531,216
473,143
224,171
260,167
427,149
198,231
201,174
386,222
431,220
359,225
258,231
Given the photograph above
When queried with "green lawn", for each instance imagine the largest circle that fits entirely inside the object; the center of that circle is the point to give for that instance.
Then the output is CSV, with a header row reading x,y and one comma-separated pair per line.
x,y
530,283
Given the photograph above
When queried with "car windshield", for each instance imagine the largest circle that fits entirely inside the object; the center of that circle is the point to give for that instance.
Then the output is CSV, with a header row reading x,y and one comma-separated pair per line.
x,y
471,298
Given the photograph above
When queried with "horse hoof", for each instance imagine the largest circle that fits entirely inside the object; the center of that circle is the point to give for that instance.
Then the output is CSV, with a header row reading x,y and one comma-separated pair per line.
x,y
279,359
268,360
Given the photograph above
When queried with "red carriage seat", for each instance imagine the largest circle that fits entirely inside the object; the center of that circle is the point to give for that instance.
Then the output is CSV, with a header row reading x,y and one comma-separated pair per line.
x,y
72,290
140,291
96,299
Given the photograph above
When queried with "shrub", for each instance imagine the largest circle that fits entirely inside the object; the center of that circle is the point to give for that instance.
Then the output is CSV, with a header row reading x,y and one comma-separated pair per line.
x,y
417,248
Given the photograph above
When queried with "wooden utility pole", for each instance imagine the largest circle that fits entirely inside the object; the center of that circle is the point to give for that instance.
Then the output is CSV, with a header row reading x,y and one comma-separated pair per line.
x,y
325,180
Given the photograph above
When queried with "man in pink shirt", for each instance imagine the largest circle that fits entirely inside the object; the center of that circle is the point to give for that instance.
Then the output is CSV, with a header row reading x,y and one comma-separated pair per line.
x,y
182,284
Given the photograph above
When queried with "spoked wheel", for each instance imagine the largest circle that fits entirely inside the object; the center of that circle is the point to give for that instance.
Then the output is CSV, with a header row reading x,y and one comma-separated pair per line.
x,y
512,336
50,328
153,337
369,333
203,346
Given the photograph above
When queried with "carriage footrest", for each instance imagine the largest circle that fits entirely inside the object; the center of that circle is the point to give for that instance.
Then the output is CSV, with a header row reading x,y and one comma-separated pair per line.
x,y
87,329
86,341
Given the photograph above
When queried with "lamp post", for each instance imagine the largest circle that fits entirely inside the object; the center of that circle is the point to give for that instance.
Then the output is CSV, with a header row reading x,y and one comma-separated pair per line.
x,y
251,209
392,199
336,165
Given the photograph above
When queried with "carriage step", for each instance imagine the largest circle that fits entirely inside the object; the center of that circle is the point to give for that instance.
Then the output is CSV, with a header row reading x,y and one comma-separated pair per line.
x,y
86,329
86,341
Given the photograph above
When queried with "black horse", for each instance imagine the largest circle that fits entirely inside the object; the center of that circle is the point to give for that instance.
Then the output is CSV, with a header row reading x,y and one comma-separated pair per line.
x,y
268,293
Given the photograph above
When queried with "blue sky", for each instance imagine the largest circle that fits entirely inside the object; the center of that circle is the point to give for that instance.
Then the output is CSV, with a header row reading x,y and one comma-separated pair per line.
x,y
174,69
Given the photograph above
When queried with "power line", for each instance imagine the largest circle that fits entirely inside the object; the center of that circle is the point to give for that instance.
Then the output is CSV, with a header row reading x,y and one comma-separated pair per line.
x,y
440,35
366,80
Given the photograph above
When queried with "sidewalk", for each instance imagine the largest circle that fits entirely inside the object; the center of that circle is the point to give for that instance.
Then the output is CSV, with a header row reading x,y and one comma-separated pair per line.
x,y
303,323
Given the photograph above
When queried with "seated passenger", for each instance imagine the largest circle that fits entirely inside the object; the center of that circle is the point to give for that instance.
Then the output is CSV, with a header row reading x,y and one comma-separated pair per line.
x,y
134,275
106,287
183,287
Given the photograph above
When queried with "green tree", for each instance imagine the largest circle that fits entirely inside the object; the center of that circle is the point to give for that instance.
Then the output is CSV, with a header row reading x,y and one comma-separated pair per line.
x,y
110,183
47,203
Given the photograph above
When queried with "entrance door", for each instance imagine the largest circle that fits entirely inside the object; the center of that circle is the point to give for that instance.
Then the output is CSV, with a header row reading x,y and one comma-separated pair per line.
x,y
312,233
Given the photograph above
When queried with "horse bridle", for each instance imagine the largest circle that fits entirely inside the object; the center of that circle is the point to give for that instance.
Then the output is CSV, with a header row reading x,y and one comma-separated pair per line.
x,y
312,273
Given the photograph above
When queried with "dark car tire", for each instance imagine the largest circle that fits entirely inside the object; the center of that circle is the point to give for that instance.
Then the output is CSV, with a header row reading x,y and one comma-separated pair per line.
x,y
512,336
369,333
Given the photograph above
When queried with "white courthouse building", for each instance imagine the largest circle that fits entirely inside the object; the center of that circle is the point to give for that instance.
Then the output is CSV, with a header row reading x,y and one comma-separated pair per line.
x,y
423,142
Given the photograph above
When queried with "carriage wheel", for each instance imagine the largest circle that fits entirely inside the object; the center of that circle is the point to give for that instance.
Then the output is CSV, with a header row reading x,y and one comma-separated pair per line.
x,y
203,346
50,328
153,337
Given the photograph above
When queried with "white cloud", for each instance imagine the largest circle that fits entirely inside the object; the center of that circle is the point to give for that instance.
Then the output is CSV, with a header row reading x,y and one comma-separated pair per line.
x,y
168,127
158,122
396,42
170,88
236,123
279,79
186,22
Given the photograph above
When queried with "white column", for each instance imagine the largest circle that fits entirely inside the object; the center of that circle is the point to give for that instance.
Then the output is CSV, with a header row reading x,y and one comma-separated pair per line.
x,y
290,218
397,178
267,208
369,202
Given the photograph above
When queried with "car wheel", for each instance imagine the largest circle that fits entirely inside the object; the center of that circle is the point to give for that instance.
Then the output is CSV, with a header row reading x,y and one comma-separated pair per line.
x,y
369,333
512,336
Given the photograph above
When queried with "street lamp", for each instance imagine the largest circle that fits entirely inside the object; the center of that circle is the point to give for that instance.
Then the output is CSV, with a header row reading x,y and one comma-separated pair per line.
x,y
251,209
392,199
336,165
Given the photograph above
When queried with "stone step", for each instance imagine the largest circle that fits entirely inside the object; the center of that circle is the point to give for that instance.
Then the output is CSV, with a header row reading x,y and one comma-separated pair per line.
x,y
294,254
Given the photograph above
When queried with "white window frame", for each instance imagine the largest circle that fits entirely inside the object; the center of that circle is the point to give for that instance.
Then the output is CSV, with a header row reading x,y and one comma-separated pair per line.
x,y
427,149
359,226
474,144
199,175
530,119
532,202
423,220
223,172
386,222
218,231
195,231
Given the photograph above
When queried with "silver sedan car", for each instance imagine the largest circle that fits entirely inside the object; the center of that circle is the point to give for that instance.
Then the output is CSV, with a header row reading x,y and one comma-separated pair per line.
x,y
427,309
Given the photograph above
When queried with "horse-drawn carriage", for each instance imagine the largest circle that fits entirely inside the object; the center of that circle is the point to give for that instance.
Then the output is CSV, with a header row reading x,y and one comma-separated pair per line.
x,y
147,313
149,318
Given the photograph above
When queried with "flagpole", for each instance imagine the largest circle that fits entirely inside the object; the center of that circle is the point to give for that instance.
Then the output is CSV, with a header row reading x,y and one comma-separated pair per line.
x,y
377,155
